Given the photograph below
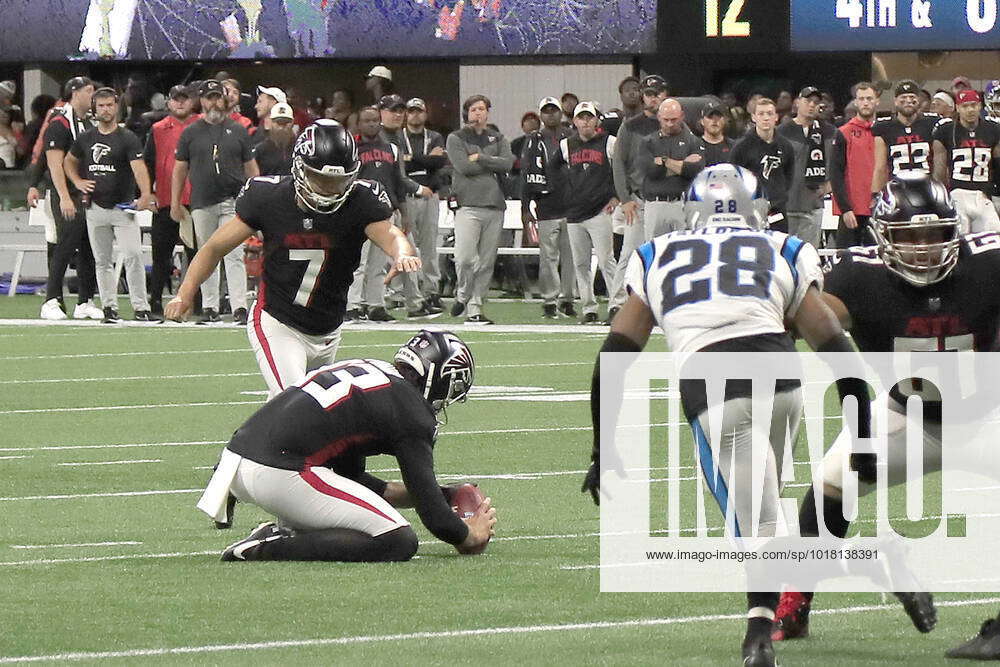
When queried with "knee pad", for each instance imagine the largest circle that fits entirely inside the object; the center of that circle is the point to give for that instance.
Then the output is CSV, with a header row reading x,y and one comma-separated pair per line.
x,y
399,544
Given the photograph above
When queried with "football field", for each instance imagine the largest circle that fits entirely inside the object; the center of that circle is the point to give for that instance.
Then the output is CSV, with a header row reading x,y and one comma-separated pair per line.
x,y
109,436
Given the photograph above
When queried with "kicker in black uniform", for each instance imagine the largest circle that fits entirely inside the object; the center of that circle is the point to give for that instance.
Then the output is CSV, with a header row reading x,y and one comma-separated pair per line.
x,y
314,223
301,457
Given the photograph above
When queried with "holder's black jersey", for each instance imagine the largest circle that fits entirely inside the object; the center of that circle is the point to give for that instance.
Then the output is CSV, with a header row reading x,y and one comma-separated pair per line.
x,y
309,258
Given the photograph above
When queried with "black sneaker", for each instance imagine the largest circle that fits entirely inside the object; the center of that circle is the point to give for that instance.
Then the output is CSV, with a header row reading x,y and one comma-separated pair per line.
x,y
156,307
567,309
249,547
984,646
920,608
457,308
144,316
110,316
758,652
589,318
478,319
611,314
424,311
354,315
209,315
549,311
379,314
240,317
230,511
434,300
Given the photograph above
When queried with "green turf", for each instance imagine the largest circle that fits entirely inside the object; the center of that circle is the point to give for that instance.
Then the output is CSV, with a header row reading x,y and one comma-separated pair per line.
x,y
58,603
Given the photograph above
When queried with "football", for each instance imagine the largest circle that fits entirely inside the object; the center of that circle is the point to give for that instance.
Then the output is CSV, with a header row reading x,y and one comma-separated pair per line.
x,y
464,502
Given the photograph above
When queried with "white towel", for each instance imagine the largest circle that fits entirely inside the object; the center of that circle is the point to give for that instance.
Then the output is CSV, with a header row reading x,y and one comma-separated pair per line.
x,y
213,500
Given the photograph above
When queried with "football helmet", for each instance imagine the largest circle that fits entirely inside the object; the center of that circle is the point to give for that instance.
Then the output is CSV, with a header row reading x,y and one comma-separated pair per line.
x,y
444,366
916,227
991,98
325,165
724,194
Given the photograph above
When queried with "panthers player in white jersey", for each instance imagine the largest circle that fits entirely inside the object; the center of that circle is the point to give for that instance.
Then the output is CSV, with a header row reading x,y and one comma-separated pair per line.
x,y
728,286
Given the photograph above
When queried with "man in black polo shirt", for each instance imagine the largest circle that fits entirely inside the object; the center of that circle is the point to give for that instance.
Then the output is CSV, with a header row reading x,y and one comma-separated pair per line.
x,y
71,223
811,140
216,151
588,212
772,160
669,159
110,159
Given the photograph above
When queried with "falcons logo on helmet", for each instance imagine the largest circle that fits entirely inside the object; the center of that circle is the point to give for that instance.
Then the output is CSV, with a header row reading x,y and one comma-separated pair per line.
x,y
306,144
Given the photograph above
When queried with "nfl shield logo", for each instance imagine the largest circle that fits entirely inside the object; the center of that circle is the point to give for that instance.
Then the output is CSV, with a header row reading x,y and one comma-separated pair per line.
x,y
934,303
307,223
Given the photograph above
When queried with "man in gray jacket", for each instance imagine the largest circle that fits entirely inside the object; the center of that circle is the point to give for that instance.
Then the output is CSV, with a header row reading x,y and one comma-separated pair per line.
x,y
480,156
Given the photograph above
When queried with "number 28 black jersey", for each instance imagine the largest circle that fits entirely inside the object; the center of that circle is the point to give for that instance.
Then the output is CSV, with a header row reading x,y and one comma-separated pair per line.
x,y
909,146
970,153
309,258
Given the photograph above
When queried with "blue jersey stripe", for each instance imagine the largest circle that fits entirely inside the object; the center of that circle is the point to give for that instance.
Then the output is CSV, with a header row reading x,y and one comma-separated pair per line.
x,y
790,251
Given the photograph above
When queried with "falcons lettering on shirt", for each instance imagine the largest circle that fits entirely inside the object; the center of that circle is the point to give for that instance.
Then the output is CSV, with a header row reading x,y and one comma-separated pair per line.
x,y
587,156
769,163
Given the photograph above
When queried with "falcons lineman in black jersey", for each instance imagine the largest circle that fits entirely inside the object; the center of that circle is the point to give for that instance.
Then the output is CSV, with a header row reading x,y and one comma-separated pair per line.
x,y
314,223
925,288
964,153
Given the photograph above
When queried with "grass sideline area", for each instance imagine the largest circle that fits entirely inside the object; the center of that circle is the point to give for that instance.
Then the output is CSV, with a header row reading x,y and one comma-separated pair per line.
x,y
111,433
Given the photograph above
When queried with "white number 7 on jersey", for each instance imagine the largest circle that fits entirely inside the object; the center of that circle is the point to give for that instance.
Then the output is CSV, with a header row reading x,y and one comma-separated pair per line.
x,y
316,259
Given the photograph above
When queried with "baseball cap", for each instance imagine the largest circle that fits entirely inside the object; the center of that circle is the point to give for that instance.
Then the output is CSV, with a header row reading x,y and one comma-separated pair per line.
x,y
391,102
281,110
964,80
907,87
210,87
967,95
712,108
180,90
809,91
546,101
8,87
585,107
381,71
416,103
274,91
655,82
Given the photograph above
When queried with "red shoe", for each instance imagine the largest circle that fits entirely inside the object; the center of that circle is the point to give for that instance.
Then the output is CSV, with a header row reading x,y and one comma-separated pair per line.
x,y
791,620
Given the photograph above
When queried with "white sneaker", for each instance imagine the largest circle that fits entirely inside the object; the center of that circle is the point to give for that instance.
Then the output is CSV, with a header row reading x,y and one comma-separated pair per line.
x,y
84,311
51,310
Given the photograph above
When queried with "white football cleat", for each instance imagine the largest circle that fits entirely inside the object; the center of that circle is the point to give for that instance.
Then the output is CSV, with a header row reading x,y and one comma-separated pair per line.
x,y
51,310
87,311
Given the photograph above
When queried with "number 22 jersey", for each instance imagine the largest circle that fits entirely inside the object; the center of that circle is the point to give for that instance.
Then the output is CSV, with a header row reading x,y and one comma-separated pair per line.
x,y
309,258
719,283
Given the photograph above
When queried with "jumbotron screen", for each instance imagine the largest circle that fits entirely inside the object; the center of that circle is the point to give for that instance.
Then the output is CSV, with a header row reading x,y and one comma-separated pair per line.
x,y
53,30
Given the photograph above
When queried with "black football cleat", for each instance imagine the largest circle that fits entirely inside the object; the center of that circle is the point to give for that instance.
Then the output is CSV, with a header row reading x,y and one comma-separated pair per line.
x,y
457,308
249,547
920,608
567,309
230,511
209,316
758,652
549,311
379,314
791,620
984,646
240,317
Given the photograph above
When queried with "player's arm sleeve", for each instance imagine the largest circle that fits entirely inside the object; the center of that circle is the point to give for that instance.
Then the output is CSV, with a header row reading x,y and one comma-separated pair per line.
x,y
636,270
838,172
247,207
459,156
619,163
803,260
416,465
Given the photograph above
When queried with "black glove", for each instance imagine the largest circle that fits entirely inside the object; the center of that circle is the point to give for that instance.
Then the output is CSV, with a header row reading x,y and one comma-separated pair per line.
x,y
592,482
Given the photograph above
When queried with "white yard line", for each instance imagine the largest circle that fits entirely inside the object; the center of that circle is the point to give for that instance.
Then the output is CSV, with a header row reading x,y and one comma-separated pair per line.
x,y
8,458
78,545
449,634
49,448
147,406
109,463
119,494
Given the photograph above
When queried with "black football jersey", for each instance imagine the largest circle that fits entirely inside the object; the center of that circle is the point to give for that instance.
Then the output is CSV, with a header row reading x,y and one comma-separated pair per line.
x,y
909,146
309,258
970,153
889,314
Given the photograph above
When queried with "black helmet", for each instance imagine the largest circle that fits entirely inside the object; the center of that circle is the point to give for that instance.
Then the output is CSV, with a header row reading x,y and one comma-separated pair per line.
x,y
917,228
444,366
324,165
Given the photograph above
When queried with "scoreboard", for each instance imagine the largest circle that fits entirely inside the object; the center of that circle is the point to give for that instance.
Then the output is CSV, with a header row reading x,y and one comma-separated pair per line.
x,y
723,26
894,25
